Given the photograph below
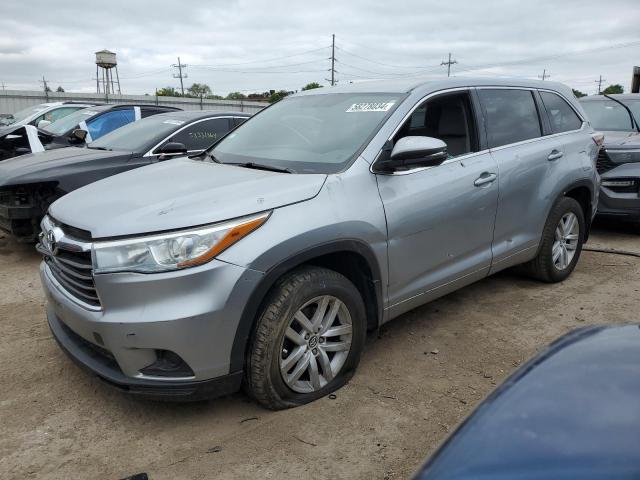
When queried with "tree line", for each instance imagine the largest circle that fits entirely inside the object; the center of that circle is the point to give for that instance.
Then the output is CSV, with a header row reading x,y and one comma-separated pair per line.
x,y
204,91
610,90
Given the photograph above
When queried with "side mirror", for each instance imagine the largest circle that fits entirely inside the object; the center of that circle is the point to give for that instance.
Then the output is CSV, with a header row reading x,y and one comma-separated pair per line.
x,y
79,135
172,148
425,151
43,123
414,152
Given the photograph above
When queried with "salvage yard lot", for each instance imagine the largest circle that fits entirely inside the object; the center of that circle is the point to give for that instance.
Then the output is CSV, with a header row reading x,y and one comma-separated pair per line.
x,y
417,379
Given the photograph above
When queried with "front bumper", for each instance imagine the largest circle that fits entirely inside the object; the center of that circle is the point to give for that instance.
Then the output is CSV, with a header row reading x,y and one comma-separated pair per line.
x,y
193,313
21,221
103,365
625,206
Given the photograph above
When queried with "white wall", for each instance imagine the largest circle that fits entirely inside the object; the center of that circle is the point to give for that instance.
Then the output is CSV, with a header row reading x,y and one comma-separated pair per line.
x,y
13,100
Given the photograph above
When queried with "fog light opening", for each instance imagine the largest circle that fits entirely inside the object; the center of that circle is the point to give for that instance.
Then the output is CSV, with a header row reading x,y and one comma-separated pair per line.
x,y
168,364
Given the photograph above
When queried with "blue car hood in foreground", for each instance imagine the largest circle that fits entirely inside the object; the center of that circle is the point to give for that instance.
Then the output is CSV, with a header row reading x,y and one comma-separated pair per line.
x,y
573,412
179,193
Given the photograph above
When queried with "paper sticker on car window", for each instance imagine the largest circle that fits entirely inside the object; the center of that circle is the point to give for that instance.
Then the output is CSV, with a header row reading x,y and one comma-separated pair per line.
x,y
90,112
370,107
174,122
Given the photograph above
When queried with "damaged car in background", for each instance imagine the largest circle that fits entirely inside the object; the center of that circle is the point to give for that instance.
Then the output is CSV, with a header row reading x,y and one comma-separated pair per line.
x,y
619,161
42,114
75,129
29,184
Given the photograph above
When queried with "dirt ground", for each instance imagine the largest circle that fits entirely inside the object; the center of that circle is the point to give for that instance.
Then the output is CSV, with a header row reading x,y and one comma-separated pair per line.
x,y
422,375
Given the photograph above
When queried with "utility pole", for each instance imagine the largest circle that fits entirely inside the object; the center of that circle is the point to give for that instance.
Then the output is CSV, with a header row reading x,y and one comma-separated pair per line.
x,y
599,82
180,75
333,60
3,86
45,87
544,75
448,64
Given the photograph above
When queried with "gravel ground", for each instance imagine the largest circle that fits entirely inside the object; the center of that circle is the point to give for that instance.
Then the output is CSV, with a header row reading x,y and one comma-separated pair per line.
x,y
420,377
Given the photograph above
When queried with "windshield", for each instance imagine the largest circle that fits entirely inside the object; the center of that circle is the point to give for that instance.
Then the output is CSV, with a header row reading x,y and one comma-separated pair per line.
x,y
609,115
139,136
308,134
62,126
22,115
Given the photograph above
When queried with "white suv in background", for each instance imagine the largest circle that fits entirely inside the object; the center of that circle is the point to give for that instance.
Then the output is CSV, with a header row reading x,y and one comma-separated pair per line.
x,y
44,112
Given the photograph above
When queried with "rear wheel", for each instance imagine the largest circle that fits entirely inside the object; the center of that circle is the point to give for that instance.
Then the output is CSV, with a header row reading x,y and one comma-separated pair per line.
x,y
308,339
562,241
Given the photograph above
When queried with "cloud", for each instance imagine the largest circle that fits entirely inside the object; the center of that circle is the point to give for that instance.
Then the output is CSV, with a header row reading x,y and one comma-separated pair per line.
x,y
257,45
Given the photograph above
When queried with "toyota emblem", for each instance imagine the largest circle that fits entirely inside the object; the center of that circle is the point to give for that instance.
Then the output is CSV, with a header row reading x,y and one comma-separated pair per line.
x,y
51,241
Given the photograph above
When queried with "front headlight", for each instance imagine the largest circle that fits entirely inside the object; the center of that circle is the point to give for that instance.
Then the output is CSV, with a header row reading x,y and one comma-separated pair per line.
x,y
624,156
172,251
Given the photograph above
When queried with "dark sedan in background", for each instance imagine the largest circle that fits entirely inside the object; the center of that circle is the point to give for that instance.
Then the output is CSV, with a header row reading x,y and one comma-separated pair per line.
x,y
573,412
619,161
76,129
29,184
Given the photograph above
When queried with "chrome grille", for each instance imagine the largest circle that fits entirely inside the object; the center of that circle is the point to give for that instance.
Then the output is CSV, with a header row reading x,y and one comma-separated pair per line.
x,y
69,261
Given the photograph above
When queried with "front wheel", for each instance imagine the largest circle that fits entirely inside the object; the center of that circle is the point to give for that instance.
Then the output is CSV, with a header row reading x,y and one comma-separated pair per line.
x,y
562,241
308,338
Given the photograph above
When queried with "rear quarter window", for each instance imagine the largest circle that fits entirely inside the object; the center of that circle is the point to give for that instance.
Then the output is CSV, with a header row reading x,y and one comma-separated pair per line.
x,y
511,115
562,117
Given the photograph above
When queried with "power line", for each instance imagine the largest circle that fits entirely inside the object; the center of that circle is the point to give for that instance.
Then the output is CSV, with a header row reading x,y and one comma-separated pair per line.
x,y
180,75
223,69
448,64
418,67
533,60
266,60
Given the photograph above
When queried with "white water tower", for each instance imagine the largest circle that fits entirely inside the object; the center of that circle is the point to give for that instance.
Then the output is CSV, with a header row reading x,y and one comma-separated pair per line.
x,y
105,64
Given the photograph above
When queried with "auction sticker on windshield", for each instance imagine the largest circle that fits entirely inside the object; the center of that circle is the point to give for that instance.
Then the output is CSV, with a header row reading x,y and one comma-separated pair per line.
x,y
370,107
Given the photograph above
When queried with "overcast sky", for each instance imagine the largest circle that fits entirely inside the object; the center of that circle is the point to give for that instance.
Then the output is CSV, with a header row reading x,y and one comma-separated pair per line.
x,y
242,45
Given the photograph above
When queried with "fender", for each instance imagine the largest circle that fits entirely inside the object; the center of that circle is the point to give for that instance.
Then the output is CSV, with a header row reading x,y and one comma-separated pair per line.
x,y
253,305
585,182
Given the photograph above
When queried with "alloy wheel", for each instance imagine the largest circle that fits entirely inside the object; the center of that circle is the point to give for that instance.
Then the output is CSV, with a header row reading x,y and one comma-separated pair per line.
x,y
567,236
315,344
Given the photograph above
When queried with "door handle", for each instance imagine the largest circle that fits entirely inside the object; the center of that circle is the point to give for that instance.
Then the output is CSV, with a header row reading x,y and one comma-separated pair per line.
x,y
554,155
485,179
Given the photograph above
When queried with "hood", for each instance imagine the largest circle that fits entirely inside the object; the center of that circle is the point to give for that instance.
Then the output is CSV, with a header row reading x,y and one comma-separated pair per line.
x,y
549,420
617,139
179,193
626,170
51,164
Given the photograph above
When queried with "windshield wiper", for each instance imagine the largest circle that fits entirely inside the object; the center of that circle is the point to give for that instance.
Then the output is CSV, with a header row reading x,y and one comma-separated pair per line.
x,y
260,166
213,159
98,148
633,119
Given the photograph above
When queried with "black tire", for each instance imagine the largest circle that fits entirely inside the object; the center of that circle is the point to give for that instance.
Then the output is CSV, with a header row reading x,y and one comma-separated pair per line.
x,y
263,380
542,267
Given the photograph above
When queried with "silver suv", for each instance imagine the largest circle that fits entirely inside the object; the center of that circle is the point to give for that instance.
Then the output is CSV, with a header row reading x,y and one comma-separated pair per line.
x,y
265,260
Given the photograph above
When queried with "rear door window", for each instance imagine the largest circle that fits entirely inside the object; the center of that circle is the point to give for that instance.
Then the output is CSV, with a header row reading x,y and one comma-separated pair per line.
x,y
511,115
109,121
562,117
201,135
